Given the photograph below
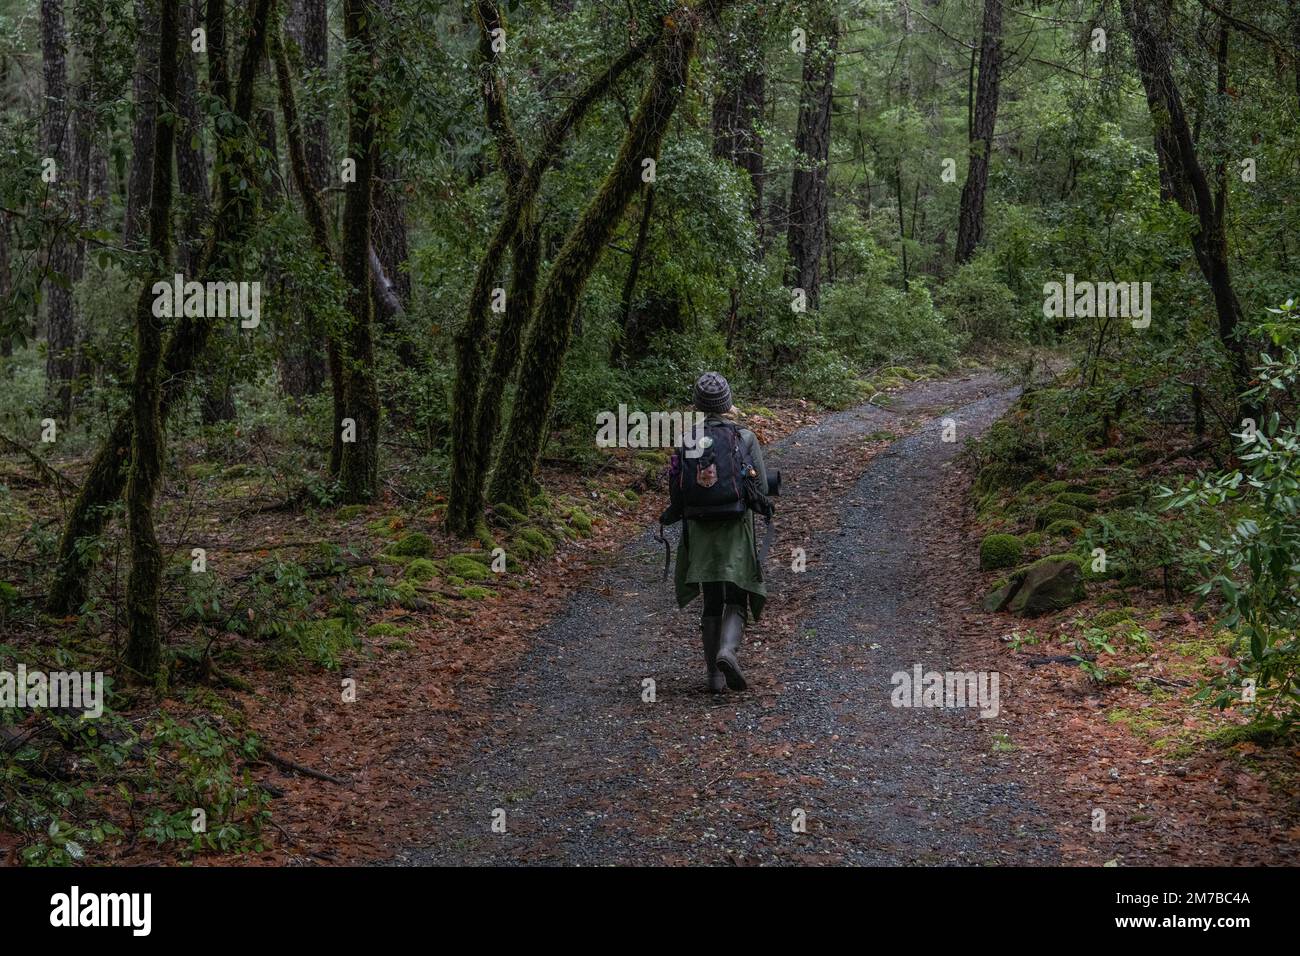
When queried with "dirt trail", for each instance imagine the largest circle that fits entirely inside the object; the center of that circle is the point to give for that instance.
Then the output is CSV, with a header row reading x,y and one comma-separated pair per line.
x,y
588,772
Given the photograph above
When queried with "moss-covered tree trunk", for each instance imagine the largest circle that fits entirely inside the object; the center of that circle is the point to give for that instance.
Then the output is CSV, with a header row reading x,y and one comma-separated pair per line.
x,y
548,340
234,210
473,428
144,642
359,466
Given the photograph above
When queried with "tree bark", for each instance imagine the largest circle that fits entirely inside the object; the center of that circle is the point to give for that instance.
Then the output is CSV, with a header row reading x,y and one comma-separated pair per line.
x,y
144,87
359,467
56,137
970,219
144,640
1187,181
548,340
808,189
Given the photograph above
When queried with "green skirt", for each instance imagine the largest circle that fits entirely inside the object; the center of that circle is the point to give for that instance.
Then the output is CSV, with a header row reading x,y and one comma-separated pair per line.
x,y
720,551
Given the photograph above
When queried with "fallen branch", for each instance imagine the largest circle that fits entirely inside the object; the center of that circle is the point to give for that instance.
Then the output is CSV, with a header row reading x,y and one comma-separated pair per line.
x,y
286,764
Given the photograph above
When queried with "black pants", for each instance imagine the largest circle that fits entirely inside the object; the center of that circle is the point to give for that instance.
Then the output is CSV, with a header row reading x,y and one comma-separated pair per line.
x,y
718,593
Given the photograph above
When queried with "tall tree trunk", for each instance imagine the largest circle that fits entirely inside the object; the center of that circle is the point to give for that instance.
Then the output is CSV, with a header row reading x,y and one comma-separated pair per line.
x,y
553,324
359,468
144,641
144,86
191,157
808,191
970,219
56,137
1188,182
234,210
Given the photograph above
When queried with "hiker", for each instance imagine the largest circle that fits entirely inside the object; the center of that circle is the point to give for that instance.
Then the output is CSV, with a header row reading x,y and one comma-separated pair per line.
x,y
716,555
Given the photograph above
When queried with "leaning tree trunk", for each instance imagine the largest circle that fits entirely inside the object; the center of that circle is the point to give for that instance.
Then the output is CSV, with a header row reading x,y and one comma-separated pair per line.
x,y
359,467
970,218
60,363
808,193
144,640
470,452
553,324
1191,188
235,210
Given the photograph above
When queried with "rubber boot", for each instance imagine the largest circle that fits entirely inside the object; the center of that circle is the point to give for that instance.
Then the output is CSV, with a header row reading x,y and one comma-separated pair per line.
x,y
733,629
709,628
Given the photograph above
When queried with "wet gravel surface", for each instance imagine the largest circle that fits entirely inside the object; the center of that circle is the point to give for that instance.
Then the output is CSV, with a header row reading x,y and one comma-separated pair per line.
x,y
812,765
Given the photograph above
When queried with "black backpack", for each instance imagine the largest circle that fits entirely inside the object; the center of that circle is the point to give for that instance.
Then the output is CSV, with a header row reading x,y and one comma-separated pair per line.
x,y
713,486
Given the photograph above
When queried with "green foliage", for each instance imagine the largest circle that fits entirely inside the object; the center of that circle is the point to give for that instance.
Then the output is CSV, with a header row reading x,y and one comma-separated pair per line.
x,y
1255,564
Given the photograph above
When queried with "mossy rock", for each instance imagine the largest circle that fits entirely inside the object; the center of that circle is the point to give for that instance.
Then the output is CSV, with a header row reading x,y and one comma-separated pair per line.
x,y
1075,499
348,512
240,471
1049,584
1057,511
463,566
1063,529
203,469
1032,540
1031,487
631,497
385,527
535,540
482,557
581,521
420,569
1000,551
476,593
1055,487
540,502
414,545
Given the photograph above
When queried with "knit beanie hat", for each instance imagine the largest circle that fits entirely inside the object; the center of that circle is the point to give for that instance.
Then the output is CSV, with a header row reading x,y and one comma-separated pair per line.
x,y
712,393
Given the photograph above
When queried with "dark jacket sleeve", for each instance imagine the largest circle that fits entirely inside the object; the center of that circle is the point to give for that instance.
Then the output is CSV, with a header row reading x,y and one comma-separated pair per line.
x,y
755,452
